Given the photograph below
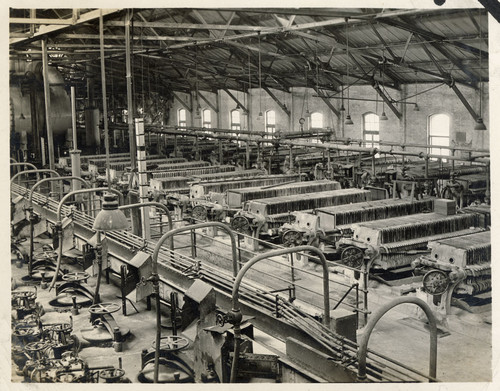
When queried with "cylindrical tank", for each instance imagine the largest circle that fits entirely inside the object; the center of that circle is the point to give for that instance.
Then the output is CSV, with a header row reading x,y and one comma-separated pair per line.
x,y
60,105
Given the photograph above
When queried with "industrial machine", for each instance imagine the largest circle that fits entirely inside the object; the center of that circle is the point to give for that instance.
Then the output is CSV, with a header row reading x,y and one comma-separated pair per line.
x,y
456,267
266,215
397,241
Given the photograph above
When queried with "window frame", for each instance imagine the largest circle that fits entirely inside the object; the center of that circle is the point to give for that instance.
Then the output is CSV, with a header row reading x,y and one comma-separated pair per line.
x,y
268,126
311,120
180,122
204,123
235,125
371,143
430,137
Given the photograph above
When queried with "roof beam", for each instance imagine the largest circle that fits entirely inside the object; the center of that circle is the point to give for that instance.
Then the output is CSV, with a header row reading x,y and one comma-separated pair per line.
x,y
212,106
389,50
429,35
280,104
236,100
87,17
41,21
387,101
327,102
181,101
452,85
191,26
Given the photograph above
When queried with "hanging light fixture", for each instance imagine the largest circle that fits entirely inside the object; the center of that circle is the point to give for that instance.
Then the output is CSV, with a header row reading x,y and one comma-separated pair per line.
x,y
110,218
348,120
260,83
479,120
383,116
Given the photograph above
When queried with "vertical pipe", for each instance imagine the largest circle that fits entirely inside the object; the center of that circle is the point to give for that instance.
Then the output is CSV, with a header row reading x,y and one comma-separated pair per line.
x,y
143,177
46,90
104,102
130,101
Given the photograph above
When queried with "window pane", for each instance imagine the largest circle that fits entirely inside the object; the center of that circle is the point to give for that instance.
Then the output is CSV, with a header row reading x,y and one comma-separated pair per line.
x,y
316,120
270,117
439,125
182,115
235,117
206,116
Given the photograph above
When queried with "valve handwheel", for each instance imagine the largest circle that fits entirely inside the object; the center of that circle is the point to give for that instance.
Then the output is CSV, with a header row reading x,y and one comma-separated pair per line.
x,y
104,308
172,343
199,212
352,257
111,374
64,327
220,320
240,224
435,282
76,276
24,294
46,255
35,347
291,238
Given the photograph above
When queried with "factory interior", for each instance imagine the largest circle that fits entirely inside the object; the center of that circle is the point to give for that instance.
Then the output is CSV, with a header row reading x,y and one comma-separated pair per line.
x,y
250,195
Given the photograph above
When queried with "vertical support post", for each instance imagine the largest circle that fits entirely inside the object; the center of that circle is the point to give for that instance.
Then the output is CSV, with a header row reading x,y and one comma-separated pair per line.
x,y
247,155
104,102
75,153
221,155
173,312
143,177
123,276
32,25
46,90
130,101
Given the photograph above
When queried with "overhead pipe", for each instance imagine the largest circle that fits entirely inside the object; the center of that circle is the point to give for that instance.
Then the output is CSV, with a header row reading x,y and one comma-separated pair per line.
x,y
375,317
235,315
155,279
31,214
58,225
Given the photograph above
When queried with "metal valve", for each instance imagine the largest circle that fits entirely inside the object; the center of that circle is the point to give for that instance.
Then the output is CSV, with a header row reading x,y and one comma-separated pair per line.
x,y
233,317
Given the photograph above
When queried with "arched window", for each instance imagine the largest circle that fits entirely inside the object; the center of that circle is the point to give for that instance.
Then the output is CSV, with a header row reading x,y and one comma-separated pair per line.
x,y
235,120
439,133
207,118
181,117
316,121
270,123
371,133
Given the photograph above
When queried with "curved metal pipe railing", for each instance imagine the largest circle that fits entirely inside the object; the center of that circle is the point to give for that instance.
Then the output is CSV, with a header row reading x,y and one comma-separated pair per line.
x,y
156,204
16,164
155,278
236,312
59,223
363,345
30,208
39,170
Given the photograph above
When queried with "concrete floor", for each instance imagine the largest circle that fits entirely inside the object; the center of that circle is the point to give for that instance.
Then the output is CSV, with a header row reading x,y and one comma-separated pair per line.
x,y
463,356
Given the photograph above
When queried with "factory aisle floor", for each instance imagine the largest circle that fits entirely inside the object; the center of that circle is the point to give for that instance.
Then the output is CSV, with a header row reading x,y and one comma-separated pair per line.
x,y
463,356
